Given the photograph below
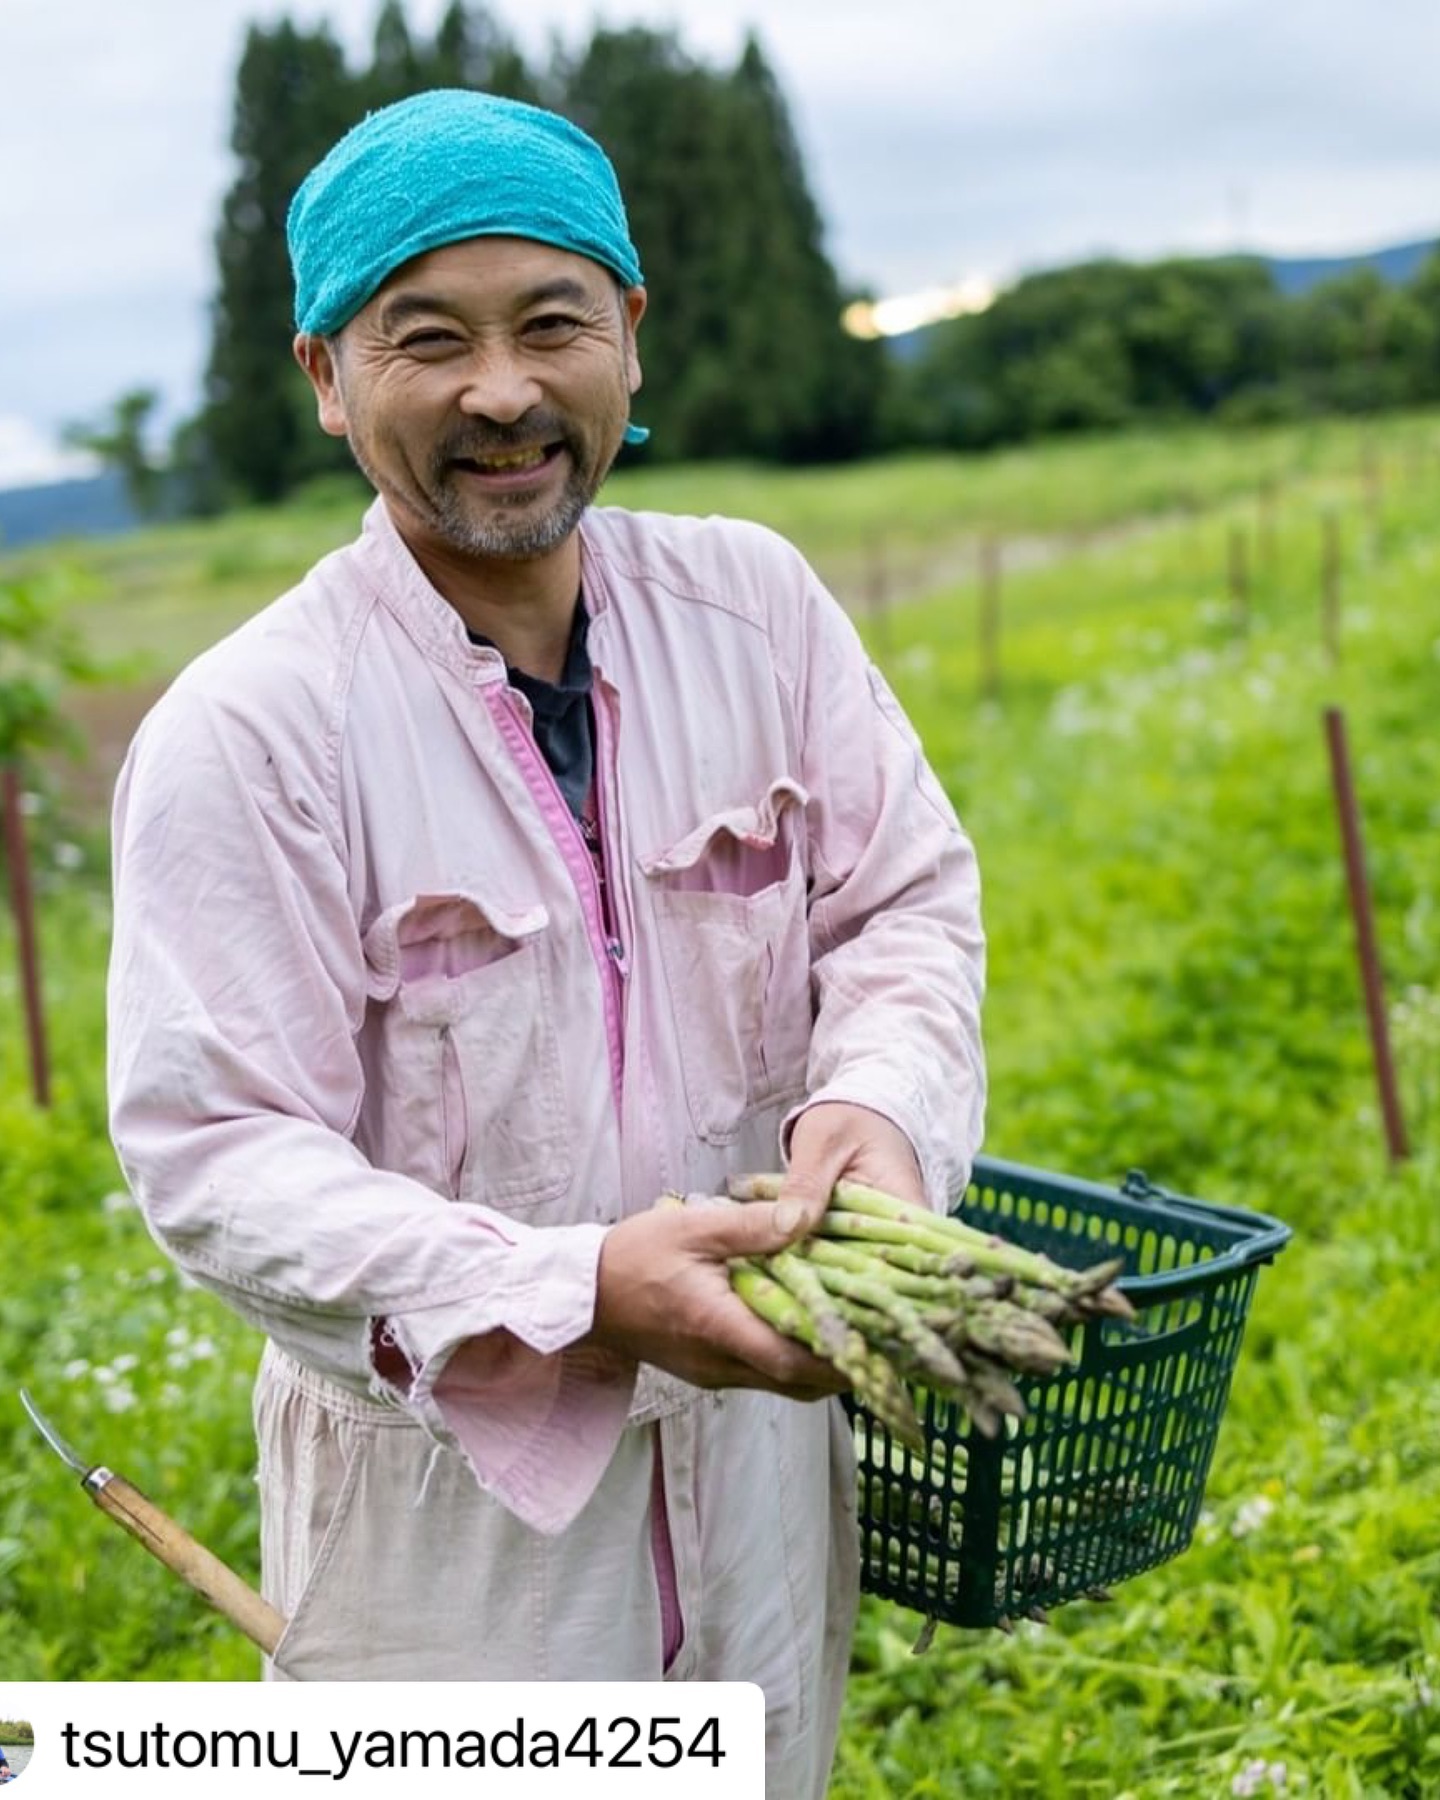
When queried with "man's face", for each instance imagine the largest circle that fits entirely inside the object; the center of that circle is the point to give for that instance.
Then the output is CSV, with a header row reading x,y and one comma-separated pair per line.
x,y
485,390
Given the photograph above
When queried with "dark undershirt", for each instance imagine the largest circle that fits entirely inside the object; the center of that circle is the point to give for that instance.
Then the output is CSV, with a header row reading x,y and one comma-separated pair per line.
x,y
564,727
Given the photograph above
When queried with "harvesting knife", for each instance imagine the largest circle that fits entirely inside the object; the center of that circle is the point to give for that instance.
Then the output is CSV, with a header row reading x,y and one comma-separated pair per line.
x,y
167,1541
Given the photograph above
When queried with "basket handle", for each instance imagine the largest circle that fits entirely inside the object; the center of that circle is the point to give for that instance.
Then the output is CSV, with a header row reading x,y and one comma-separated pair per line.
x,y
1264,1240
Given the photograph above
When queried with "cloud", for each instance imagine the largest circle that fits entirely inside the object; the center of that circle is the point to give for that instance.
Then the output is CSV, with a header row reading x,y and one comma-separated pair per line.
x,y
28,458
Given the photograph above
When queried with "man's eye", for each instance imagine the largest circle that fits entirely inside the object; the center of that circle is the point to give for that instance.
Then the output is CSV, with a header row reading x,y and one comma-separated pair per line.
x,y
430,339
552,326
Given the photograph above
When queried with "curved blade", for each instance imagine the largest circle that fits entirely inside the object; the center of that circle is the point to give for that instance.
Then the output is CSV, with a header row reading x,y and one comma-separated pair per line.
x,y
52,1437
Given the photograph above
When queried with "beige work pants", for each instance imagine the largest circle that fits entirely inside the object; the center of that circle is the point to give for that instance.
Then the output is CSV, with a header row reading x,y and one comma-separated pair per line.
x,y
391,1564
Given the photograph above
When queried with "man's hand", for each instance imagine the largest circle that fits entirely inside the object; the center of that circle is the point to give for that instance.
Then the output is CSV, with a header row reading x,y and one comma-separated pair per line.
x,y
663,1296
834,1142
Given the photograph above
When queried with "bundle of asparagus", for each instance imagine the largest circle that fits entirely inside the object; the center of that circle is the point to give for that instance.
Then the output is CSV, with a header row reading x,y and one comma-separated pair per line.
x,y
894,1295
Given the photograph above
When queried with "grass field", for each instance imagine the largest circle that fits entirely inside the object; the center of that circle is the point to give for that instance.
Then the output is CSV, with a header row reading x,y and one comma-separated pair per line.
x,y
1173,987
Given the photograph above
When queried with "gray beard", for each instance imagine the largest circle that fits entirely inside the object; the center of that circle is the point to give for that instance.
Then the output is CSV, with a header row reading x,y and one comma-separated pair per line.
x,y
525,539
498,542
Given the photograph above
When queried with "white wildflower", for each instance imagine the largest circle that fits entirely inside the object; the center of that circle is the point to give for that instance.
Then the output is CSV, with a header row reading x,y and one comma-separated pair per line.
x,y
1252,1515
1259,1775
68,856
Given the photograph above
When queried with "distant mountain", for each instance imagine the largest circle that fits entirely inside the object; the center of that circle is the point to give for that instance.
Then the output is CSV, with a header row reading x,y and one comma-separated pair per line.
x,y
95,506
1294,274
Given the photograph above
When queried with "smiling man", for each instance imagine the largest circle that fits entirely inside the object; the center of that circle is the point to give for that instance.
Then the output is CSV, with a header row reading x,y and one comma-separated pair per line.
x,y
529,860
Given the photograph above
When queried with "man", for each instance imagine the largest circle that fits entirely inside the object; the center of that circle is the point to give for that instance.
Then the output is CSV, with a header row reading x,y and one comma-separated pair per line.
x,y
523,863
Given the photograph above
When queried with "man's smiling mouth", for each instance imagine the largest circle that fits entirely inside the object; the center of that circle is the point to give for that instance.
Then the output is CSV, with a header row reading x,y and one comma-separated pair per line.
x,y
510,462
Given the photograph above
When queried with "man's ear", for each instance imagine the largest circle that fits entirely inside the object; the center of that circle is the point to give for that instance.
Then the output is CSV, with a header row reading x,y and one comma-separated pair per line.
x,y
633,300
317,359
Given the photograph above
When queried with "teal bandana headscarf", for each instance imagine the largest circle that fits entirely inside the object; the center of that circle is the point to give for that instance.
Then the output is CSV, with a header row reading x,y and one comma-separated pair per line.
x,y
439,167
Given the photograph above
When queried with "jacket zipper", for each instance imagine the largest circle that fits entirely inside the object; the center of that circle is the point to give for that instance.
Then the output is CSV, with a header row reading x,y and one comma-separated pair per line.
x,y
570,841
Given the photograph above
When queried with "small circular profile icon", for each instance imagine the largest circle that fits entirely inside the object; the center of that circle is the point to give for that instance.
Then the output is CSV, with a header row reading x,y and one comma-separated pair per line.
x,y
17,1741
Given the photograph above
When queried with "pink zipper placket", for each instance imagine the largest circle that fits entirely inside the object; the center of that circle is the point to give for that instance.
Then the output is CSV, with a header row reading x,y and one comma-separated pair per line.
x,y
615,926
569,840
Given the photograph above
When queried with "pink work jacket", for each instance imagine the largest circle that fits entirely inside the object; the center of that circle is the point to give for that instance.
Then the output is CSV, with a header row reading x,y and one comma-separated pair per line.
x,y
384,1065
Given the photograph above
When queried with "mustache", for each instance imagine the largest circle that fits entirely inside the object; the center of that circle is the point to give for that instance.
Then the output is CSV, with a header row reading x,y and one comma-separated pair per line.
x,y
536,427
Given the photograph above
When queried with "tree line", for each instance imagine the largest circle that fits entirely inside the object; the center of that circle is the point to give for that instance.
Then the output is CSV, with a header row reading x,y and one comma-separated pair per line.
x,y
1108,344
743,348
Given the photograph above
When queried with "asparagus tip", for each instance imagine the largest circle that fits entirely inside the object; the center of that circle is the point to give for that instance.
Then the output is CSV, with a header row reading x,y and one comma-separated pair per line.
x,y
753,1187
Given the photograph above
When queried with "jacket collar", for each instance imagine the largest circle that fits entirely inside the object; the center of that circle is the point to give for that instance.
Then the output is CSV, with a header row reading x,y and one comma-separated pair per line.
x,y
400,584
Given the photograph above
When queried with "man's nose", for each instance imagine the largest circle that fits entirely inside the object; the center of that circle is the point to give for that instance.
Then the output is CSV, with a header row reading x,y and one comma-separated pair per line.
x,y
500,384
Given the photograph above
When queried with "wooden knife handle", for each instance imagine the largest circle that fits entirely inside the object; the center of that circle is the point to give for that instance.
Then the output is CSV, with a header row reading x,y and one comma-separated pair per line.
x,y
192,1562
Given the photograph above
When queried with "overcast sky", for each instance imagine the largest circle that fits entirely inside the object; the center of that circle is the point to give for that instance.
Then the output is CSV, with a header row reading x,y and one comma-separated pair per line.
x,y
944,138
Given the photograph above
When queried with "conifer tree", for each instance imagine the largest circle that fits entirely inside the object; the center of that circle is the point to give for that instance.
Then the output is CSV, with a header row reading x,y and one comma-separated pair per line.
x,y
396,66
743,350
813,390
471,50
257,437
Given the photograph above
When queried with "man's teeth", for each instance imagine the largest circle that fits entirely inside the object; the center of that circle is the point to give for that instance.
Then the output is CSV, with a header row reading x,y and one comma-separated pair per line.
x,y
522,459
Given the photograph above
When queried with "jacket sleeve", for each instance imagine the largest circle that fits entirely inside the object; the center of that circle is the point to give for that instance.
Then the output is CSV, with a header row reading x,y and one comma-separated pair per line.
x,y
897,947
237,987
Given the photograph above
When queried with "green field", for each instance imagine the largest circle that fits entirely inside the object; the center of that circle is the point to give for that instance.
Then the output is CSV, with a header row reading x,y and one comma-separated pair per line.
x,y
1173,987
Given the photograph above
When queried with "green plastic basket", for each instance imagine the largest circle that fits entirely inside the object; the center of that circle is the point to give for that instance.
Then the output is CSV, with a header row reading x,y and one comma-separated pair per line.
x,y
1104,1476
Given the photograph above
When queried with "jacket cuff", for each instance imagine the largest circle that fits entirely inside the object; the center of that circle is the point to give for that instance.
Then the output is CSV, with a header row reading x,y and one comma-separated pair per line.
x,y
508,1382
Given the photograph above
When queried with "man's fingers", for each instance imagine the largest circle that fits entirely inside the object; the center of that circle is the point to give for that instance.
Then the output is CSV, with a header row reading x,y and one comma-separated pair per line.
x,y
757,1228
804,1196
771,1360
805,1192
793,1216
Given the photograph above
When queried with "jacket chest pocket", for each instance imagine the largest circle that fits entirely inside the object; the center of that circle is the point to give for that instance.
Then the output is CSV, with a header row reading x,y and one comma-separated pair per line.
x,y
466,1091
730,925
